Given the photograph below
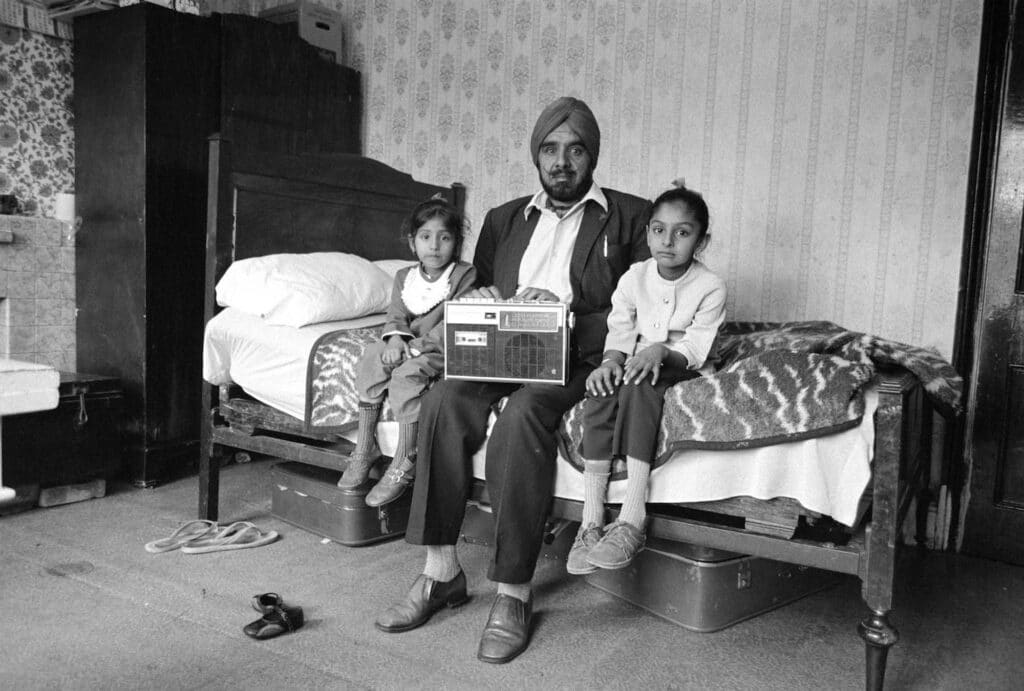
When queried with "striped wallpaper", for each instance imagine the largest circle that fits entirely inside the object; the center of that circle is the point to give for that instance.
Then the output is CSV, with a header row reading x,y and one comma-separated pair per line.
x,y
831,138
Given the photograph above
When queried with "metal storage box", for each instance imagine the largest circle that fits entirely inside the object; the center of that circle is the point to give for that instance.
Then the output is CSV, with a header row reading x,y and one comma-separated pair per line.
x,y
707,590
478,529
309,497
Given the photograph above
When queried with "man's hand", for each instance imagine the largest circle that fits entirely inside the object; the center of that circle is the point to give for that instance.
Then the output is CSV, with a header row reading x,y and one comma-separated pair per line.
x,y
484,293
396,351
539,294
604,380
647,361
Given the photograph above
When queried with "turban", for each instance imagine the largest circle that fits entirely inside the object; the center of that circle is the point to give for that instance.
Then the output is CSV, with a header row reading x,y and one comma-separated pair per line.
x,y
577,115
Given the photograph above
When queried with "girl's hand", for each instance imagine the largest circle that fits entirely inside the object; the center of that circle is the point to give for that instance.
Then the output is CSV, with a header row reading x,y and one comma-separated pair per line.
x,y
396,351
647,361
604,380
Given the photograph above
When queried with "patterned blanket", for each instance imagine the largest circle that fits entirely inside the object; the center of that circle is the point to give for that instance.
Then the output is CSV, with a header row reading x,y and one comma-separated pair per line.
x,y
776,382
331,399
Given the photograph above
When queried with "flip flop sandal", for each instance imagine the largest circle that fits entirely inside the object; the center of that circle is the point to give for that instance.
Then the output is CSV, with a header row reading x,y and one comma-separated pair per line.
x,y
247,536
266,602
220,533
189,532
275,622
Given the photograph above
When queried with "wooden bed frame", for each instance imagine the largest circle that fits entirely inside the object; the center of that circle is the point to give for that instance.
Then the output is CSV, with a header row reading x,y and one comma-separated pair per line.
x,y
263,203
266,203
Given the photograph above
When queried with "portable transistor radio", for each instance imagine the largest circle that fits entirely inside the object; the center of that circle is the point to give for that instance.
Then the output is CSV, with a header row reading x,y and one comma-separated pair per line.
x,y
507,340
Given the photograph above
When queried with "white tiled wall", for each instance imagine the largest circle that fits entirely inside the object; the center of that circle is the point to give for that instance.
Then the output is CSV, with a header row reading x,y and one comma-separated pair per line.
x,y
37,292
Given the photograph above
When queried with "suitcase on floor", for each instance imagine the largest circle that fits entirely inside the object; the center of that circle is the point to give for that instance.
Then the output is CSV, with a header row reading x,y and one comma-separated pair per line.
x,y
478,529
308,497
705,589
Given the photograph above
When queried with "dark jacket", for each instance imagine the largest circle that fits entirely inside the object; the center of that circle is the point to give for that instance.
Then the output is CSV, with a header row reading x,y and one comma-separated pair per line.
x,y
593,271
426,330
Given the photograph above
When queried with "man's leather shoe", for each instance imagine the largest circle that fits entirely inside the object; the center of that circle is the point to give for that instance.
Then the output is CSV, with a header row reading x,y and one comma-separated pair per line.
x,y
425,597
508,629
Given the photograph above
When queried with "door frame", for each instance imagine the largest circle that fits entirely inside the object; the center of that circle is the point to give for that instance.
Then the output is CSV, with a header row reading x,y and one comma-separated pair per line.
x,y
990,93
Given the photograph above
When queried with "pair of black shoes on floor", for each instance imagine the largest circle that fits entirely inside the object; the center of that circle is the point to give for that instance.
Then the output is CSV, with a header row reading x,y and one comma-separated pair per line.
x,y
506,635
277,617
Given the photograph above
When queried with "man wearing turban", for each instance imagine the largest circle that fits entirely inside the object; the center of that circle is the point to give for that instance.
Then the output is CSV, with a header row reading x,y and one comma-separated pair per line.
x,y
569,242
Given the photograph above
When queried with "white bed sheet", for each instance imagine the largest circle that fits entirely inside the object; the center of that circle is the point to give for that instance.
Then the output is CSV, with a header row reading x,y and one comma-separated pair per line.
x,y
268,362
827,474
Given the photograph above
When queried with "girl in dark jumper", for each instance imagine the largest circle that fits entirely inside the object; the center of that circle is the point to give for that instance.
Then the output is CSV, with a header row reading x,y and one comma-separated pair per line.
x,y
409,358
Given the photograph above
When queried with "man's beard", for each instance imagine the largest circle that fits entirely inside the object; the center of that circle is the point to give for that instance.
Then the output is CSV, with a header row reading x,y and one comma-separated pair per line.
x,y
565,191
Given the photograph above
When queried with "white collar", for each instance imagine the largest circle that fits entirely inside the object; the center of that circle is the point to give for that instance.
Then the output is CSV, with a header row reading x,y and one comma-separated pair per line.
x,y
421,295
539,201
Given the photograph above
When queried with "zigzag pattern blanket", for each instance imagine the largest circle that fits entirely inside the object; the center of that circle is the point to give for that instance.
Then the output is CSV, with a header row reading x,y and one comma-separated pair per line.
x,y
776,382
781,382
332,402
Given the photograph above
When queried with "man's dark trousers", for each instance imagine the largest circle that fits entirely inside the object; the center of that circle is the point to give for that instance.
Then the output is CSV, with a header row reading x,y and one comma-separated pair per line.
x,y
521,462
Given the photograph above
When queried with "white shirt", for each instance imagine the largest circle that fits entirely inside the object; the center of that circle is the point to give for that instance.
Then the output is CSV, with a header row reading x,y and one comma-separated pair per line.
x,y
684,314
545,263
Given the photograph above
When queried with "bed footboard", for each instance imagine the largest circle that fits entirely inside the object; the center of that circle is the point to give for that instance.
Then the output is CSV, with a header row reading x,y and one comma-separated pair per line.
x,y
241,424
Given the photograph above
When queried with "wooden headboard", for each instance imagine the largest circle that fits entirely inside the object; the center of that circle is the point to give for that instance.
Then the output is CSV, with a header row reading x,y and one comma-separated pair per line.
x,y
267,203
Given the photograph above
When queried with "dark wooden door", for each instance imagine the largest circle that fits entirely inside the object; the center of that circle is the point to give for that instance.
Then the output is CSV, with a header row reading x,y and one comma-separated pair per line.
x,y
994,441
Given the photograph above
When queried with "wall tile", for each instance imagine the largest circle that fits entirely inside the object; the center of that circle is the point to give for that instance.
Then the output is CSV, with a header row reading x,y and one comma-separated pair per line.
x,y
49,284
21,284
50,338
48,312
38,309
21,338
66,260
21,311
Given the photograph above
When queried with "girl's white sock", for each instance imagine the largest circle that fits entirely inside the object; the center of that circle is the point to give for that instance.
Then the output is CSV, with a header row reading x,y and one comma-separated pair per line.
x,y
634,506
595,491
442,563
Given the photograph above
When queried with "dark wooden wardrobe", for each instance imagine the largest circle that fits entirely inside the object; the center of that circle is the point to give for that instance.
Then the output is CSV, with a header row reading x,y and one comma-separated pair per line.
x,y
151,85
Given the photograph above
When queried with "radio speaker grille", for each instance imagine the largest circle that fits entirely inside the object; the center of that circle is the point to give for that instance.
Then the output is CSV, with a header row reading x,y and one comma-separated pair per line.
x,y
529,357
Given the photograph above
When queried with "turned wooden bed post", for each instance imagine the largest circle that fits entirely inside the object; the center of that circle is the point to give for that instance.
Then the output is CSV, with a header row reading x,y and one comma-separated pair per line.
x,y
882,534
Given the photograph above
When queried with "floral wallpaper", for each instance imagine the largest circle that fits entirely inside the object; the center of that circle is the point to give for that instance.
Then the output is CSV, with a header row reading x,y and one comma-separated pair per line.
x,y
37,145
830,137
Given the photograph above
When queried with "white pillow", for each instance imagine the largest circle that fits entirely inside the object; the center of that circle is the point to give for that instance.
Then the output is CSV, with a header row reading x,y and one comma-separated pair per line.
x,y
393,266
300,289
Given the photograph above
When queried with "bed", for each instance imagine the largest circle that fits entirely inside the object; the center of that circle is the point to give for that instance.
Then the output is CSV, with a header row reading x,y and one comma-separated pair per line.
x,y
867,469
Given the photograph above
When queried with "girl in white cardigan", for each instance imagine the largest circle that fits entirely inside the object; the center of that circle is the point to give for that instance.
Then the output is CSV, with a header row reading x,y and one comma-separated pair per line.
x,y
665,316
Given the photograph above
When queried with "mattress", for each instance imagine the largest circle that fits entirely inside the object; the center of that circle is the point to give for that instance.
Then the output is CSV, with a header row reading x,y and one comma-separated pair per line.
x,y
826,474
268,362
